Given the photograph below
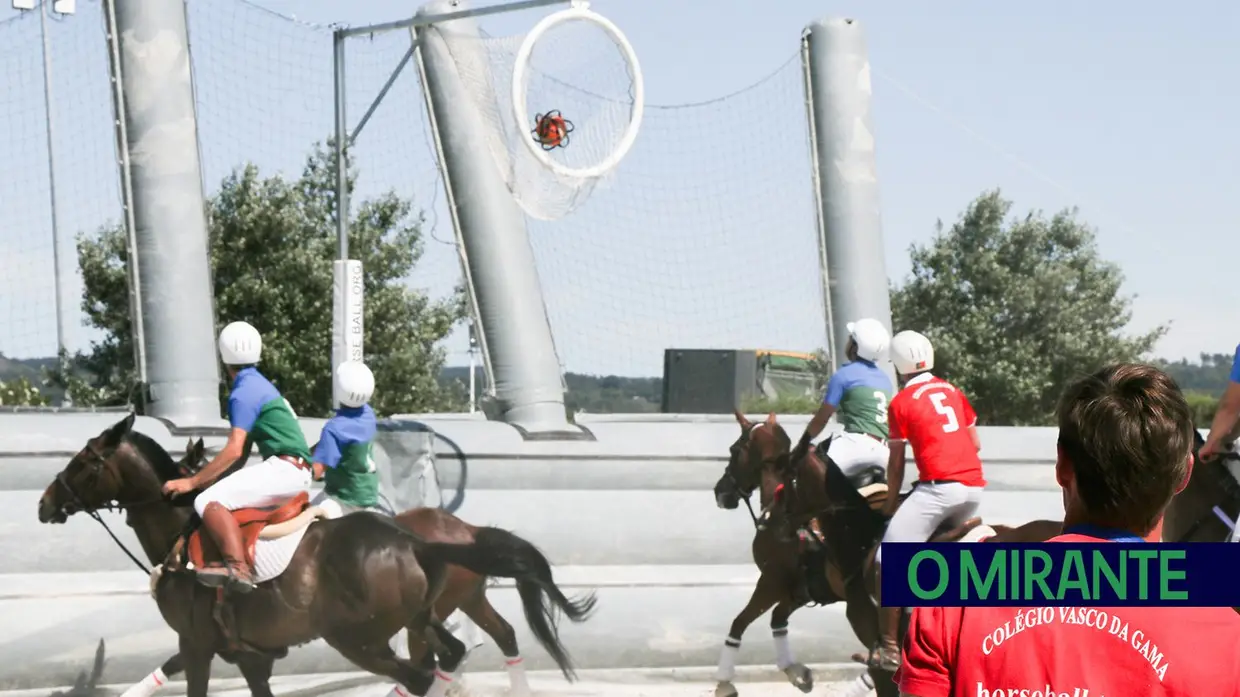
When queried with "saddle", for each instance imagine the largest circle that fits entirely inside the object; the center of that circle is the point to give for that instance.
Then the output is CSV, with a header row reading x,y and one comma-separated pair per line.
x,y
255,523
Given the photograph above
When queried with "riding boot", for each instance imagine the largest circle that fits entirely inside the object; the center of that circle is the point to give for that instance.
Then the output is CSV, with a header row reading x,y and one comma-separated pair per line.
x,y
888,649
888,638
236,574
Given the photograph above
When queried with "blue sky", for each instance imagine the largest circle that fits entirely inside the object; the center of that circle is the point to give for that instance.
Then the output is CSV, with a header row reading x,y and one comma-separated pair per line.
x,y
704,236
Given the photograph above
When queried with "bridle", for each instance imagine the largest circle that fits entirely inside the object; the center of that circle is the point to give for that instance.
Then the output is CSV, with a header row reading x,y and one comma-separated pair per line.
x,y
729,474
100,465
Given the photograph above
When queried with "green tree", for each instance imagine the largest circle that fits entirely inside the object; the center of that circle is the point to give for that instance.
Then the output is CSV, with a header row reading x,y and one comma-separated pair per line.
x,y
1016,307
20,392
272,242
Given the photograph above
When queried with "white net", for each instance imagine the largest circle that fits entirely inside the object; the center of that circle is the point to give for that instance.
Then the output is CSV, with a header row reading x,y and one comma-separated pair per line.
x,y
87,180
580,98
705,237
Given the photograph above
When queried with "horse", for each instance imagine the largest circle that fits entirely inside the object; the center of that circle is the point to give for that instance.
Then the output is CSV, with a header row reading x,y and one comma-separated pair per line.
x,y
463,590
354,581
852,525
755,464
1209,506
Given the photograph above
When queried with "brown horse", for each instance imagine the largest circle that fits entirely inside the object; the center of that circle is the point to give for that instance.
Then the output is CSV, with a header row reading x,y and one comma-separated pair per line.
x,y
754,466
354,581
851,525
463,589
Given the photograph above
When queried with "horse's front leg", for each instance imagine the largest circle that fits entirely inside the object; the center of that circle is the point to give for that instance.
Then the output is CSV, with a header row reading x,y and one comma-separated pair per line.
x,y
799,675
769,590
197,656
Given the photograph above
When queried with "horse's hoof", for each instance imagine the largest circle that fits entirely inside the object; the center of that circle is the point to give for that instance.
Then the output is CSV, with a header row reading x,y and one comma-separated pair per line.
x,y
801,677
861,658
725,689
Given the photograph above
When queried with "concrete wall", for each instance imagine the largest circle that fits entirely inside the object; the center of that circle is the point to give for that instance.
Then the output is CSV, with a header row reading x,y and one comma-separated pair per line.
x,y
630,514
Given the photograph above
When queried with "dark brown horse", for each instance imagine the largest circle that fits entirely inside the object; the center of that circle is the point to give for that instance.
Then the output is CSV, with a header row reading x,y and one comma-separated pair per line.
x,y
754,465
354,581
1208,507
463,589
816,490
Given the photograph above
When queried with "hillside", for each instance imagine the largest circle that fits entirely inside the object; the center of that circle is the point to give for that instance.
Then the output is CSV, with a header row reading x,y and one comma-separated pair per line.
x,y
595,394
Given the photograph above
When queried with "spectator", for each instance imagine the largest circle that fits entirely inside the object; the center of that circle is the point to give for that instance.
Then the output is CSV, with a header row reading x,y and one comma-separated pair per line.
x,y
1125,441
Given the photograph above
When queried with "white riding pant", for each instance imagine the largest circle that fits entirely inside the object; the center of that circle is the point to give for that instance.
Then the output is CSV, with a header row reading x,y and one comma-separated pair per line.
x,y
928,507
853,452
335,508
268,483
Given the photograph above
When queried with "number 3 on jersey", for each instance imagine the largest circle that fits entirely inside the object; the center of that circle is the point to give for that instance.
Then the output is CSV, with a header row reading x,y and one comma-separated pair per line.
x,y
880,398
951,423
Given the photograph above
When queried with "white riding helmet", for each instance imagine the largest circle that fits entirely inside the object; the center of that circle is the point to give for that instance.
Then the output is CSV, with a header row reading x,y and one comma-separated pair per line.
x,y
240,344
911,353
354,383
871,338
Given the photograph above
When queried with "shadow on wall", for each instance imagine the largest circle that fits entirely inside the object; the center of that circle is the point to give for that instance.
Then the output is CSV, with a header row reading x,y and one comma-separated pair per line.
x,y
87,684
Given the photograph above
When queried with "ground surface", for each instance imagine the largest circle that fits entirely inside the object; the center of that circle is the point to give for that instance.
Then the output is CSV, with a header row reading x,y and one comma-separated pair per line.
x,y
692,682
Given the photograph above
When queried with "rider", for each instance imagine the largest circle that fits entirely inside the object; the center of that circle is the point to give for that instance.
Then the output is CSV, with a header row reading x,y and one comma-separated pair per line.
x,y
1124,450
342,458
936,419
260,417
858,393
1227,416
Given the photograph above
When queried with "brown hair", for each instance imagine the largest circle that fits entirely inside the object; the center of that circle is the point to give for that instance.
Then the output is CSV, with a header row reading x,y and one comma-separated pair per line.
x,y
1127,432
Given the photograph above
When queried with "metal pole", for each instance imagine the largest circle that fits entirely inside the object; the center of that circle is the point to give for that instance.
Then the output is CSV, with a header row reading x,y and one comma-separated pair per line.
x,y
44,8
515,331
342,133
423,20
840,88
169,210
823,267
137,320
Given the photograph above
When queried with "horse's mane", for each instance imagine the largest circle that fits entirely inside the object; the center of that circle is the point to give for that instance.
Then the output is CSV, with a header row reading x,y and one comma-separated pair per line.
x,y
154,454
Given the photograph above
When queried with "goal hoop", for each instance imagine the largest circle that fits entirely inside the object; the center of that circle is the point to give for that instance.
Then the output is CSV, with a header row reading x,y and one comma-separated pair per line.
x,y
520,76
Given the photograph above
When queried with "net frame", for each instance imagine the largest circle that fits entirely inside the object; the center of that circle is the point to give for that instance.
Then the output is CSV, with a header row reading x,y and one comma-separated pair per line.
x,y
578,12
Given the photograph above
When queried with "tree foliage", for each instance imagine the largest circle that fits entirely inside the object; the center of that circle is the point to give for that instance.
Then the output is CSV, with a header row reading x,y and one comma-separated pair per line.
x,y
21,392
1016,307
272,242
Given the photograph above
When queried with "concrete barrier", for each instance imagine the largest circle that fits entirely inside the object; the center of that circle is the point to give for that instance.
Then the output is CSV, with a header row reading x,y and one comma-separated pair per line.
x,y
629,513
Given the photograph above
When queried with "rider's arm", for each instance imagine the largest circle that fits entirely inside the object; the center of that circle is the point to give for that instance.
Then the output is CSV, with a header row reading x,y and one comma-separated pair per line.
x,y
895,473
830,402
970,417
929,652
233,450
1228,407
327,452
243,413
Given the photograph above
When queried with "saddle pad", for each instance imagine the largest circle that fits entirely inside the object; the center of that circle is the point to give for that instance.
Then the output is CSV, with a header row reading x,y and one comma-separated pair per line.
x,y
272,557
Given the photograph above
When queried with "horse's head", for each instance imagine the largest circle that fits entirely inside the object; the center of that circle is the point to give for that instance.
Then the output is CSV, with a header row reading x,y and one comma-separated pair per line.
x,y
1196,513
92,480
195,453
119,468
759,446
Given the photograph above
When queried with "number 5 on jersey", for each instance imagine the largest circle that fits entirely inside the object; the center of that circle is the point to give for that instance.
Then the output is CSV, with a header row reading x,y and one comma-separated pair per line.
x,y
950,422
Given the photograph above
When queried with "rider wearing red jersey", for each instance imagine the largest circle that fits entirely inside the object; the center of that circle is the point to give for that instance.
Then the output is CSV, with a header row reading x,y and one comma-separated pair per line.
x,y
1125,448
936,419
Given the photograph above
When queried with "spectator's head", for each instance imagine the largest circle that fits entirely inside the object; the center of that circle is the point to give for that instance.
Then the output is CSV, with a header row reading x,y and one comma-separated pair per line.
x,y
1125,447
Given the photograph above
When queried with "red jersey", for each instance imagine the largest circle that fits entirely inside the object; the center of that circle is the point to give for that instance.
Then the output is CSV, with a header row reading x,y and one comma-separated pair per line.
x,y
935,417
1071,651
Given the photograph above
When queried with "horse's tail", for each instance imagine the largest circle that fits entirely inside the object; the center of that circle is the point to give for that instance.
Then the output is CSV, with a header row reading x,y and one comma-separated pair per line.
x,y
496,552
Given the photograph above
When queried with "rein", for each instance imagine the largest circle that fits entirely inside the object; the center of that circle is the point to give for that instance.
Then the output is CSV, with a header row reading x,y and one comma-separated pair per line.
x,y
98,467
